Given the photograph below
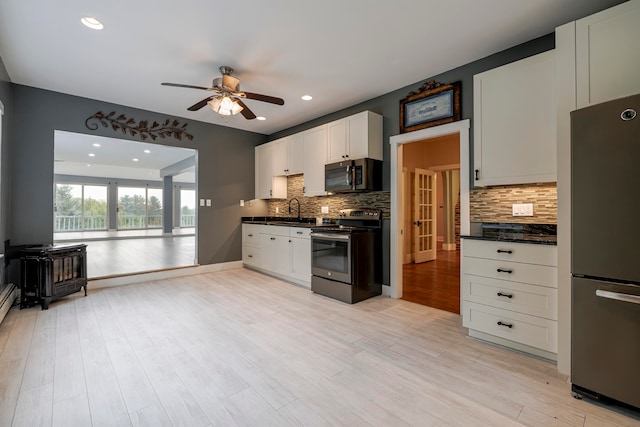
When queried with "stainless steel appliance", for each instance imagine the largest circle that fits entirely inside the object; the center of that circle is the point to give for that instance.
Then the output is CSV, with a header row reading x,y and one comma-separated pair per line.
x,y
605,238
353,175
346,258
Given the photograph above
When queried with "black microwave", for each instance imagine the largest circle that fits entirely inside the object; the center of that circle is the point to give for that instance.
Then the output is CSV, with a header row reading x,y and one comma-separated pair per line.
x,y
353,175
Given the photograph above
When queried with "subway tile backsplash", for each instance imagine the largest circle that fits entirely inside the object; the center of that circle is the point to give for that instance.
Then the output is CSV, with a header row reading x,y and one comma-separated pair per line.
x,y
310,207
493,204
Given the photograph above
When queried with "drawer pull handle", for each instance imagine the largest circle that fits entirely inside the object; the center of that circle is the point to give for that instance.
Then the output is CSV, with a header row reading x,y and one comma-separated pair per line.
x,y
298,232
250,235
273,238
504,270
508,325
500,294
249,256
505,251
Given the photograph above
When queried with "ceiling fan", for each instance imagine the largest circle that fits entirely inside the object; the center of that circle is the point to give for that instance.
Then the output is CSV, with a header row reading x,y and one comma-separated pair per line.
x,y
227,96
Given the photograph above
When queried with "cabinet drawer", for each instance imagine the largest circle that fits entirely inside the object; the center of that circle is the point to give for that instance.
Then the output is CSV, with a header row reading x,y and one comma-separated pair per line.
x,y
251,255
300,232
523,298
251,234
522,328
508,251
542,275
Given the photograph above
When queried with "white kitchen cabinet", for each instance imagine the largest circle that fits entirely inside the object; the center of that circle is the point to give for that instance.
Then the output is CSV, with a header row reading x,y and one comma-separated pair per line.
x,y
607,59
267,185
515,123
355,137
288,155
251,245
283,252
315,157
509,294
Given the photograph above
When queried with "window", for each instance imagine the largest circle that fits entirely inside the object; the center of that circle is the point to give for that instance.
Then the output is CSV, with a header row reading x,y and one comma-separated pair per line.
x,y
80,207
139,207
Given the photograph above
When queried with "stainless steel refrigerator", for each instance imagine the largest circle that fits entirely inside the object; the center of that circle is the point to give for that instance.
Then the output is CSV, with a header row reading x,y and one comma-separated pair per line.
x,y
605,251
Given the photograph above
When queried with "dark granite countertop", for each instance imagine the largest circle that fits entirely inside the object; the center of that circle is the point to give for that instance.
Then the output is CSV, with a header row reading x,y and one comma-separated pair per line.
x,y
282,221
543,234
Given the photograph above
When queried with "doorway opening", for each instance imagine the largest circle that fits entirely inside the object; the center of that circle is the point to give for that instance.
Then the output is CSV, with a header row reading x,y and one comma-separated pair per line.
x,y
431,221
132,203
453,172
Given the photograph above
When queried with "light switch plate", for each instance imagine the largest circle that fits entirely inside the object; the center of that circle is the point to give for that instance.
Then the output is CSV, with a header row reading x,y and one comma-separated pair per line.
x,y
208,202
241,203
201,202
522,209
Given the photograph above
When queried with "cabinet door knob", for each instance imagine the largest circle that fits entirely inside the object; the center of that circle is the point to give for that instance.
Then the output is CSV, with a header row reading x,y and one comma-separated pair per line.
x,y
273,238
508,325
249,256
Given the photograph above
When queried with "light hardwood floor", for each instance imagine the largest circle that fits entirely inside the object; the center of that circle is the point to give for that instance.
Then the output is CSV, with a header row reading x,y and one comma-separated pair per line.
x,y
237,348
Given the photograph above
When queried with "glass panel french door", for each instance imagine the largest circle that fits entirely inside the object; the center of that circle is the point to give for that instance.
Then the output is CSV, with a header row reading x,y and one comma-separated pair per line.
x,y
94,202
187,208
154,208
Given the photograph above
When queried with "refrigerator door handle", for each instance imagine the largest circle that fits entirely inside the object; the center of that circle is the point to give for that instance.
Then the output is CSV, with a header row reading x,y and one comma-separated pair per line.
x,y
634,299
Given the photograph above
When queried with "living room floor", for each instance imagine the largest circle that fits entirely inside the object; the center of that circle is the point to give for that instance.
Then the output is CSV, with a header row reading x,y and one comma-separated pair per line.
x,y
238,348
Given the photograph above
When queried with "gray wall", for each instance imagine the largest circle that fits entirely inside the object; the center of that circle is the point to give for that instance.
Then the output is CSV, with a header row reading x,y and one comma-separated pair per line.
x,y
225,174
6,96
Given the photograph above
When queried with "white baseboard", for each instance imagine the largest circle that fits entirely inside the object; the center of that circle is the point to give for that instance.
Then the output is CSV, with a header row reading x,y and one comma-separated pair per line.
x,y
163,274
7,298
512,345
449,246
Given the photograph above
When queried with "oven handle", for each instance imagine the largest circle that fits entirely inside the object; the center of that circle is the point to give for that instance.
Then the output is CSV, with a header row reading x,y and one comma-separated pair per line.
x,y
634,299
332,236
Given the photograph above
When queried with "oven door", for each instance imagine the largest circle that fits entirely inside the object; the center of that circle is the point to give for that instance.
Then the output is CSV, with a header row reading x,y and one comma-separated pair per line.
x,y
331,256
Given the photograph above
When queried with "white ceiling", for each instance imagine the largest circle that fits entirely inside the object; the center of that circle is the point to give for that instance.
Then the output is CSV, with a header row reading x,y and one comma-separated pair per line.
x,y
341,52
114,158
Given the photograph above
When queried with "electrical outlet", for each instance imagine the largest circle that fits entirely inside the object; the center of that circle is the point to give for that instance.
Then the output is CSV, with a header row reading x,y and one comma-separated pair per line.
x,y
324,209
277,209
522,209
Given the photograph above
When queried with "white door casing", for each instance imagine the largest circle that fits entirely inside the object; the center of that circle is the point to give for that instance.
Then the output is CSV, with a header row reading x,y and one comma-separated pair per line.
x,y
461,128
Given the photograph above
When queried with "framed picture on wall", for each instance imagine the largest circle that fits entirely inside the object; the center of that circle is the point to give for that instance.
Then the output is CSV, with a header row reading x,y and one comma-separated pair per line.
x,y
431,105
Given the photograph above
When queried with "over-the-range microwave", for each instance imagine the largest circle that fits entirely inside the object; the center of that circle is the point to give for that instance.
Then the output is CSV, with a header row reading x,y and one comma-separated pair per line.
x,y
353,175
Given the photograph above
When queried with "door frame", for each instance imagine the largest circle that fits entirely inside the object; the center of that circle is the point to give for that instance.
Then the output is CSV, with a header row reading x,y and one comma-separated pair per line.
x,y
461,128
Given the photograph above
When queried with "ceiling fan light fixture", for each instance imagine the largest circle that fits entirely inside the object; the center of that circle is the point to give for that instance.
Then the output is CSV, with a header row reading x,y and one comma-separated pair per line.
x,y
225,106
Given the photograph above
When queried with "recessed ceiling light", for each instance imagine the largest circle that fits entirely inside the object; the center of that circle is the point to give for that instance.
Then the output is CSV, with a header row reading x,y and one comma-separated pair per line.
x,y
88,164
96,145
261,118
91,155
135,160
92,23
147,151
307,97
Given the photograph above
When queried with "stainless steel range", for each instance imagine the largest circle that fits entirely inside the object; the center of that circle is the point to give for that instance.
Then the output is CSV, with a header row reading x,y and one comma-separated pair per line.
x,y
346,258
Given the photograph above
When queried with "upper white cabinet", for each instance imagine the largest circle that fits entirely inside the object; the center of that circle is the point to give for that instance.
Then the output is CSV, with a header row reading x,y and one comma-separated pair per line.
x,y
355,137
315,157
515,123
267,185
287,155
606,52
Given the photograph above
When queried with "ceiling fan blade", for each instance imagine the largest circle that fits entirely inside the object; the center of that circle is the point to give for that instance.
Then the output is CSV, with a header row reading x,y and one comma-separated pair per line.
x,y
246,112
187,86
199,105
264,98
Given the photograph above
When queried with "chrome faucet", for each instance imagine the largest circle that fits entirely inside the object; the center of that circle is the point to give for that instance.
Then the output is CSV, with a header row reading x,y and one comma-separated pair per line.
x,y
298,206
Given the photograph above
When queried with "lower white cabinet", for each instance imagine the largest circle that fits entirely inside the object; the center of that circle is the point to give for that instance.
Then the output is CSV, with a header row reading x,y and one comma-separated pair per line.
x,y
509,294
284,252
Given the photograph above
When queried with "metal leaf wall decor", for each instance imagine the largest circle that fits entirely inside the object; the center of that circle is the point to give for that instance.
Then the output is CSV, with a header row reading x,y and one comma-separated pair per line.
x,y
167,129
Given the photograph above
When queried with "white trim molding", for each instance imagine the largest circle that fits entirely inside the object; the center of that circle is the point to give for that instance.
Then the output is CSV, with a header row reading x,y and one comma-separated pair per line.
x,y
462,129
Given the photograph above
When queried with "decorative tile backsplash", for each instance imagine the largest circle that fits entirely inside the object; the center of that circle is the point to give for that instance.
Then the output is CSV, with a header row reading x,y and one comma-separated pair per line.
x,y
310,207
493,204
